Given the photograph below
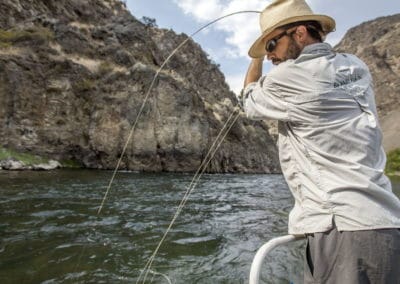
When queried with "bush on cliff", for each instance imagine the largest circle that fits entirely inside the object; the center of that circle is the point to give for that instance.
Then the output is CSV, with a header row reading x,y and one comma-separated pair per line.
x,y
30,161
38,35
27,159
393,162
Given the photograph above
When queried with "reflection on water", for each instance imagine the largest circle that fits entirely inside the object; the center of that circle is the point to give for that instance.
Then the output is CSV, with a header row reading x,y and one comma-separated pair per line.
x,y
51,233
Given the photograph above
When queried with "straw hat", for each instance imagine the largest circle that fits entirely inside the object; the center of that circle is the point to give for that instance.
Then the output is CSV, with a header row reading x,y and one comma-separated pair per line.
x,y
283,12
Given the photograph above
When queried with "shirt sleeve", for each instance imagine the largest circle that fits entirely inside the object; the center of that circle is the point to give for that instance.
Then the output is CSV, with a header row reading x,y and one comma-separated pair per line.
x,y
262,100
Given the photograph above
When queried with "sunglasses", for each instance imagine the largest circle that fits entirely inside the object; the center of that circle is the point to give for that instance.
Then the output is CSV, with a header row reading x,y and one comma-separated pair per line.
x,y
272,43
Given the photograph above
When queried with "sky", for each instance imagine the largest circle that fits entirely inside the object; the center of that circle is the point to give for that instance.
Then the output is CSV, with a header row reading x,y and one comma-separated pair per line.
x,y
227,41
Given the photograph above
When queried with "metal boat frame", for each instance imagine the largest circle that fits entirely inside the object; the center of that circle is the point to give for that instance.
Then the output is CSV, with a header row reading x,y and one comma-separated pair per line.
x,y
262,252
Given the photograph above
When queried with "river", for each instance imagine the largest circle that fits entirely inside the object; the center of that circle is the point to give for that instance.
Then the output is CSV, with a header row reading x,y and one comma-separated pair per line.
x,y
51,232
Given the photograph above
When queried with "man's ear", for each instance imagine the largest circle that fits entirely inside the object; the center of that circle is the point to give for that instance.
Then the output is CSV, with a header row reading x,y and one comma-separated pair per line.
x,y
301,34
301,31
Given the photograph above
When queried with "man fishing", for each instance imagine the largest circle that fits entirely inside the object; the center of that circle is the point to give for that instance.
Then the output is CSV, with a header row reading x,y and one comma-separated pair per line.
x,y
329,146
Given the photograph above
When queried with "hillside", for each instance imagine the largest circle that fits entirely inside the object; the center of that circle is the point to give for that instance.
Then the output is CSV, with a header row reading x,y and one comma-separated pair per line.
x,y
73,78
74,74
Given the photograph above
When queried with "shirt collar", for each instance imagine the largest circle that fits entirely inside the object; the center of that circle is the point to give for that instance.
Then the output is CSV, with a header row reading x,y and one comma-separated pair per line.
x,y
317,48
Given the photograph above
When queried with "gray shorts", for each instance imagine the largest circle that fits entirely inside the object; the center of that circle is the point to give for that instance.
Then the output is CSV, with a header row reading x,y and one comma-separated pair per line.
x,y
371,256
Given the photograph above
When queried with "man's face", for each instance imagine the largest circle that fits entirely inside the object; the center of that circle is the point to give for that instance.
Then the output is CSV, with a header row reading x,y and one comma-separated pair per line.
x,y
286,48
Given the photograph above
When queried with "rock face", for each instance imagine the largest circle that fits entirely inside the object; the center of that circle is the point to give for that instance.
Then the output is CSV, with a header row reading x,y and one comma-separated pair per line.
x,y
377,43
74,75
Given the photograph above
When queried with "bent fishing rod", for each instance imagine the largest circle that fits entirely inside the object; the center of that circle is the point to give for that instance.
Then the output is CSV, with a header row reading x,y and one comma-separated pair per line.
x,y
203,166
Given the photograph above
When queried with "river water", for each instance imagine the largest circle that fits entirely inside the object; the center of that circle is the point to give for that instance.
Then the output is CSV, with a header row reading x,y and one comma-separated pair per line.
x,y
51,232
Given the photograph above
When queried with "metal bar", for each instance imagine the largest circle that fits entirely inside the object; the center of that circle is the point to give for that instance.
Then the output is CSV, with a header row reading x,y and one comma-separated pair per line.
x,y
262,252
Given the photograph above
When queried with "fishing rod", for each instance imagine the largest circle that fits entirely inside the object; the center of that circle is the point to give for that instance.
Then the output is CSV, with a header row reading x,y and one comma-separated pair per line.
x,y
203,166
217,143
210,154
148,94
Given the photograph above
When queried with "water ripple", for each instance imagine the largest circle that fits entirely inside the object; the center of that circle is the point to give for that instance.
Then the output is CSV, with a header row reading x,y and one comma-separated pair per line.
x,y
51,232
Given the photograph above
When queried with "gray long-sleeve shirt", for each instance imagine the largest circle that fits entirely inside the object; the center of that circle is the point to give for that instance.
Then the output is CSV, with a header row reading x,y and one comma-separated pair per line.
x,y
329,141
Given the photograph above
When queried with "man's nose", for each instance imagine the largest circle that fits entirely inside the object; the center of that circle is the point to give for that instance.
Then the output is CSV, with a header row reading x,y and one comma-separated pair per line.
x,y
270,56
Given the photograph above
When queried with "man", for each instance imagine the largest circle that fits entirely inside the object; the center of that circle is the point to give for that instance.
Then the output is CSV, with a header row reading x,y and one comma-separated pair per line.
x,y
329,146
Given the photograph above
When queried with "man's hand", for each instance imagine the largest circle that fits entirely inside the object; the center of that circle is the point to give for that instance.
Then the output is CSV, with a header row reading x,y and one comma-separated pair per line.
x,y
255,71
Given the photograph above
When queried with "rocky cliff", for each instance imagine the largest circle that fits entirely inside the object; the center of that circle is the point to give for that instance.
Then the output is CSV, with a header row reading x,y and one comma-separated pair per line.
x,y
377,43
73,75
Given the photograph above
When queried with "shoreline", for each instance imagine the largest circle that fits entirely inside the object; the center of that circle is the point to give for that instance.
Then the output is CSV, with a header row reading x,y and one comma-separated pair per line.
x,y
12,164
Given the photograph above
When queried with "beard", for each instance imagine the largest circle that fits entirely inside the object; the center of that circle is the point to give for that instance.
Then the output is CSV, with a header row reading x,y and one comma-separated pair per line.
x,y
292,52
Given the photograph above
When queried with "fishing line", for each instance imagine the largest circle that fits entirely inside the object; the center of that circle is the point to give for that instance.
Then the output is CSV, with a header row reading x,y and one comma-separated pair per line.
x,y
147,96
210,155
228,125
163,275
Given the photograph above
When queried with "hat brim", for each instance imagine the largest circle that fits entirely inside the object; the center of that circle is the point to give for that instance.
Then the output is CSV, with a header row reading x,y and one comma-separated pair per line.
x,y
257,49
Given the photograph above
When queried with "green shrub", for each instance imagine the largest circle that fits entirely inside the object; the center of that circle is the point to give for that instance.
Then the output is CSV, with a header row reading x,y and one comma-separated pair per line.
x,y
5,45
104,68
27,159
12,36
393,162
70,164
84,85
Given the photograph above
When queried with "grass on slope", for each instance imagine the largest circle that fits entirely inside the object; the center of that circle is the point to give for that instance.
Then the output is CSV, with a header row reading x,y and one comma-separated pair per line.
x,y
393,162
30,160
